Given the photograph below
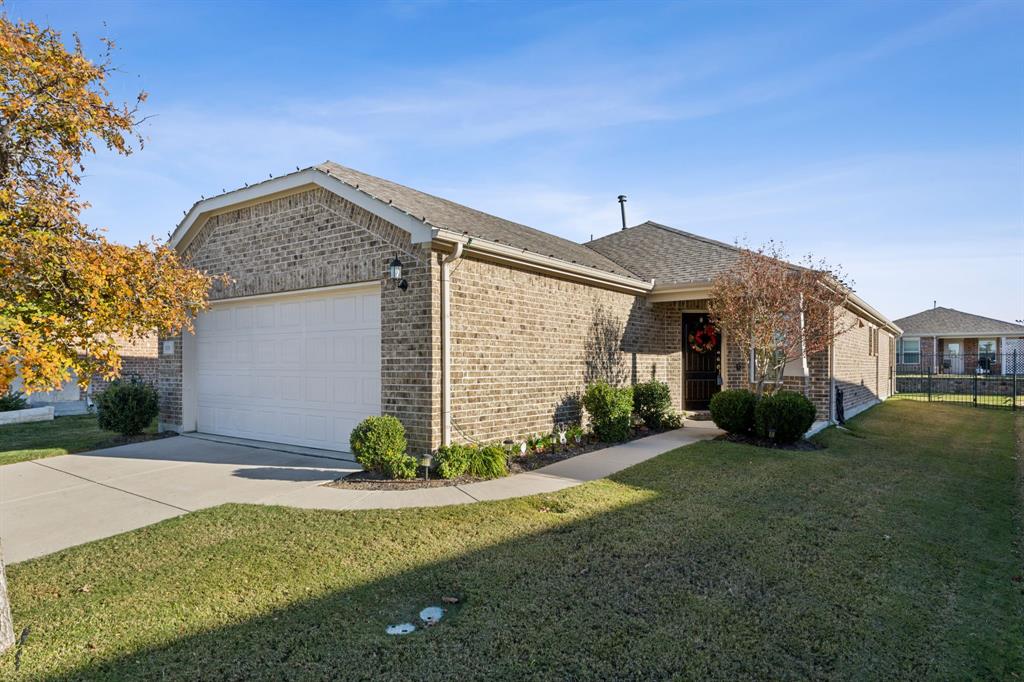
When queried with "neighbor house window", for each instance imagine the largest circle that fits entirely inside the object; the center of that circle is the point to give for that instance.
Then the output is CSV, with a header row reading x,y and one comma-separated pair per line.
x,y
987,349
910,351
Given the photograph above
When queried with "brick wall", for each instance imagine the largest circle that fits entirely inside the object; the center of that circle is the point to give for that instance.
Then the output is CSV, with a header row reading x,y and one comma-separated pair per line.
x,y
316,239
816,385
524,345
138,360
862,376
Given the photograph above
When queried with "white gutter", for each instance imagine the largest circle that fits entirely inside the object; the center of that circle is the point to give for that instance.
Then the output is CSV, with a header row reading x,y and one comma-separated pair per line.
x,y
291,183
511,255
446,344
861,306
691,291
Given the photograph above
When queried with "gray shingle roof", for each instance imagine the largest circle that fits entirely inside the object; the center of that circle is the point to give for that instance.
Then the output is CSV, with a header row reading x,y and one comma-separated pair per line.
x,y
948,321
449,215
665,254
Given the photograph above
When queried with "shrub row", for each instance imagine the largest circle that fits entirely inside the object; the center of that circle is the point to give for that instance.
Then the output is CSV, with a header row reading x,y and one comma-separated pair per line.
x,y
487,461
783,416
612,410
379,444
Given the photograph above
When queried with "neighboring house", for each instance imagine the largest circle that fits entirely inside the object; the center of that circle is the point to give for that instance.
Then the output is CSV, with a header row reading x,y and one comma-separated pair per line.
x,y
490,330
138,359
948,341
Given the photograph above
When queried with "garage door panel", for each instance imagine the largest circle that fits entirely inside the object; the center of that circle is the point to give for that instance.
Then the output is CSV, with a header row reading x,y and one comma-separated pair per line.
x,y
302,371
264,315
345,350
291,388
316,389
369,307
344,311
316,349
370,389
243,317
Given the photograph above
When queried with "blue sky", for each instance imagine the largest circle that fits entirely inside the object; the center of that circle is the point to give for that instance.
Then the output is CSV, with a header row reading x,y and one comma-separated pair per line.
x,y
887,137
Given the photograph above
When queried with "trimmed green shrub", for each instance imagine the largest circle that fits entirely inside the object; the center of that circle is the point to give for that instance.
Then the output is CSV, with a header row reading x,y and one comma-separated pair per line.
x,y
487,462
733,410
652,402
789,414
377,438
13,400
127,407
610,409
398,466
451,461
672,420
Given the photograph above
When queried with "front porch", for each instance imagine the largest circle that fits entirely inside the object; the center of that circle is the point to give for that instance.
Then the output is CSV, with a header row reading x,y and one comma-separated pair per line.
x,y
703,373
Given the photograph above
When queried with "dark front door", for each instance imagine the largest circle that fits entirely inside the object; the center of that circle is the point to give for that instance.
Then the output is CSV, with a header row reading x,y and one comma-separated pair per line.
x,y
702,354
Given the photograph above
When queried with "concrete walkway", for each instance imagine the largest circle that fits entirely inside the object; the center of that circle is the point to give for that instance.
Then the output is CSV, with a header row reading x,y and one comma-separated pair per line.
x,y
50,504
564,474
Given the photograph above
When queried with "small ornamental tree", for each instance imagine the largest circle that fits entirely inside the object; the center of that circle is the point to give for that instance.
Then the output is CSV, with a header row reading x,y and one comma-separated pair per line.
x,y
66,293
776,312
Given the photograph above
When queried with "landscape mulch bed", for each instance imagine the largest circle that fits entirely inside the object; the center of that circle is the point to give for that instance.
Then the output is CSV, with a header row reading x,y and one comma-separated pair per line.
x,y
371,480
802,445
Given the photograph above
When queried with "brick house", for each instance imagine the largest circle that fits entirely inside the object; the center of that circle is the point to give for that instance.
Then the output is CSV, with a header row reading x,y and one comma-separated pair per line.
x,y
489,331
138,360
949,341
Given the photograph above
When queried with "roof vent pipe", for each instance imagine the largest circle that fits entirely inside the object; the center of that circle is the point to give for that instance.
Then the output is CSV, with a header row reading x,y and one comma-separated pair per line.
x,y
622,207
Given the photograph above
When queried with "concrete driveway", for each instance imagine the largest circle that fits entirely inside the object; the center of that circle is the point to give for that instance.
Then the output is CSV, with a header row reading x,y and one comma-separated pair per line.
x,y
49,504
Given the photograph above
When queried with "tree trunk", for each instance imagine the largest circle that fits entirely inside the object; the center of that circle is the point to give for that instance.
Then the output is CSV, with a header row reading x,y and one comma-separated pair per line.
x,y
6,624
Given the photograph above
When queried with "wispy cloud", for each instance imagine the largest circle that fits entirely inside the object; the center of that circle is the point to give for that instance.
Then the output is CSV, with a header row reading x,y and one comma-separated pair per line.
x,y
529,133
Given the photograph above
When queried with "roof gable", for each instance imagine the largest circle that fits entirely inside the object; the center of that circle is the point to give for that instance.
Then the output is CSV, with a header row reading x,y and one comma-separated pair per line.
x,y
945,321
419,213
288,184
443,213
665,254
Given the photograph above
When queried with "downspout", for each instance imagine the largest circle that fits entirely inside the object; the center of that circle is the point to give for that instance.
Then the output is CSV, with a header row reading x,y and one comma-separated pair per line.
x,y
446,348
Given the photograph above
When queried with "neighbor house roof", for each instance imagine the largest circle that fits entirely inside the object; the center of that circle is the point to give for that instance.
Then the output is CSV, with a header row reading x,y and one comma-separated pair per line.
x,y
941,321
665,254
454,217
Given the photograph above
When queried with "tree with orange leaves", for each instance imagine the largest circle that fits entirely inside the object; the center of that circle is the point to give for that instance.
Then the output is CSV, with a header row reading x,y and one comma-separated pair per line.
x,y
776,312
66,292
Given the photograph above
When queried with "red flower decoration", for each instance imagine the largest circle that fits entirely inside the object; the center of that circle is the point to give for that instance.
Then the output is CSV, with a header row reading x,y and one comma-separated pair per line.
x,y
704,339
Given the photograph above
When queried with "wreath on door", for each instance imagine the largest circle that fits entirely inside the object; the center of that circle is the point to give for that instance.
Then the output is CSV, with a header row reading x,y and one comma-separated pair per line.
x,y
704,339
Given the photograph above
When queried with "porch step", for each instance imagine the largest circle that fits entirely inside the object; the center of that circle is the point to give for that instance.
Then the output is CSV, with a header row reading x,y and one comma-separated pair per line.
x,y
698,415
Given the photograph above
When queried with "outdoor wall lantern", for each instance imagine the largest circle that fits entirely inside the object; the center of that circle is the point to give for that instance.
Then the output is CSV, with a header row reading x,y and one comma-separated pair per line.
x,y
395,273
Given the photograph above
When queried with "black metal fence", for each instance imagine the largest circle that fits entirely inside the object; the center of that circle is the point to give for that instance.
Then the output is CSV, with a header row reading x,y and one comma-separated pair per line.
x,y
978,379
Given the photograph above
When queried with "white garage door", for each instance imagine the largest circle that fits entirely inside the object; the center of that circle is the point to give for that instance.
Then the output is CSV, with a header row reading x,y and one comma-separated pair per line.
x,y
300,369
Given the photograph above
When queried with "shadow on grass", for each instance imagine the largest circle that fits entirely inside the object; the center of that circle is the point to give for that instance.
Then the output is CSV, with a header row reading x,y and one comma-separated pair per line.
x,y
714,561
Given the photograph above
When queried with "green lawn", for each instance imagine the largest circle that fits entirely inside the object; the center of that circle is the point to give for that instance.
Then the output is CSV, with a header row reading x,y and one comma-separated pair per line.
x,y
63,435
890,554
965,399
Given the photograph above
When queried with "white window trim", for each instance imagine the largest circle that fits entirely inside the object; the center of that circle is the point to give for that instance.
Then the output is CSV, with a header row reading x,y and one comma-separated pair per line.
x,y
902,351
